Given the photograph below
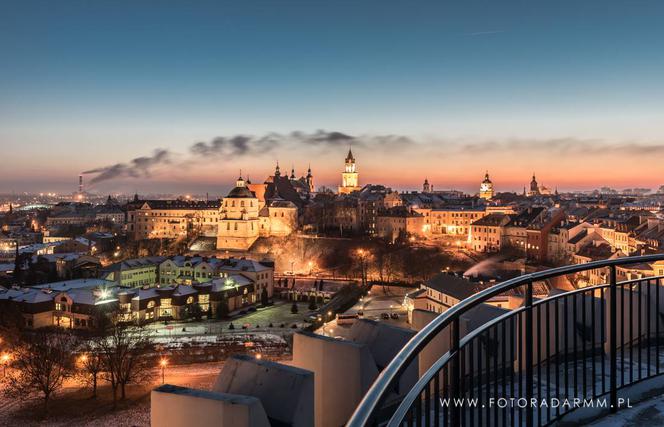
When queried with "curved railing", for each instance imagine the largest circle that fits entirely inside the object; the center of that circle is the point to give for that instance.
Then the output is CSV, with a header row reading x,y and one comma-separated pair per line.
x,y
586,344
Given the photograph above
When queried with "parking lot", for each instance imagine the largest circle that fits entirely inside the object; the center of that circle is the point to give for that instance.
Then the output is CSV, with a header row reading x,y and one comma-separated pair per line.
x,y
379,303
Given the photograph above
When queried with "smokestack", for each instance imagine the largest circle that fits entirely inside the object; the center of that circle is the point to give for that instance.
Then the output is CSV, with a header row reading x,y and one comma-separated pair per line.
x,y
80,184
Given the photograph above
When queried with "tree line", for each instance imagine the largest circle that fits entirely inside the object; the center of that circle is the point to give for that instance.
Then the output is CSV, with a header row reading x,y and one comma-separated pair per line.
x,y
42,360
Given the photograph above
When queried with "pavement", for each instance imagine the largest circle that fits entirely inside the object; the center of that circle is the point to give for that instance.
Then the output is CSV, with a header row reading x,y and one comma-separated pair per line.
x,y
378,301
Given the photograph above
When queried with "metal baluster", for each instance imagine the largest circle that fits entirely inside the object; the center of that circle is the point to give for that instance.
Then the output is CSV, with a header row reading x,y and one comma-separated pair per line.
x,y
427,405
548,361
557,350
602,334
539,361
575,355
504,365
638,319
446,396
529,352
612,340
436,395
513,353
657,319
566,345
471,385
583,343
495,374
479,381
487,359
631,333
648,337
455,374
520,363
593,347
462,382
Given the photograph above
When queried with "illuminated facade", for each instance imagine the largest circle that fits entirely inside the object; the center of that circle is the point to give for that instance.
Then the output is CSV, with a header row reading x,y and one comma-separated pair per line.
x,y
349,178
238,218
171,219
486,188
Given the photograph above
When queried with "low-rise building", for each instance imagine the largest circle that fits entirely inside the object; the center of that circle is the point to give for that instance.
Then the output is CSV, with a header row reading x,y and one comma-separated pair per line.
x,y
487,232
133,273
399,223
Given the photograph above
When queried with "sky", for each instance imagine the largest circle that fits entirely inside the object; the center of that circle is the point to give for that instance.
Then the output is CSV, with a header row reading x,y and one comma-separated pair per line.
x,y
179,96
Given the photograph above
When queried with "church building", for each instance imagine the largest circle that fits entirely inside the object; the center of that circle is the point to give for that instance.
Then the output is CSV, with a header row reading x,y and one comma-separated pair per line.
x,y
251,211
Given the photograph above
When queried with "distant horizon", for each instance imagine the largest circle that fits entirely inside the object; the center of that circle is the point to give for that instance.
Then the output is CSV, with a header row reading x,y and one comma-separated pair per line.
x,y
180,97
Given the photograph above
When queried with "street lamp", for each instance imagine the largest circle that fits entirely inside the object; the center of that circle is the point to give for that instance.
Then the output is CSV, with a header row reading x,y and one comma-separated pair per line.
x,y
4,359
163,362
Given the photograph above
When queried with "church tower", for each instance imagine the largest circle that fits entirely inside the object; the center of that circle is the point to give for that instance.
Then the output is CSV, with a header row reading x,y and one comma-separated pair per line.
x,y
310,180
534,187
486,188
426,188
349,178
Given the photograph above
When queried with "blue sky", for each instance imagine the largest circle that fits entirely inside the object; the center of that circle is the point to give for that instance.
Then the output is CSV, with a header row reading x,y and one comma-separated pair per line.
x,y
85,84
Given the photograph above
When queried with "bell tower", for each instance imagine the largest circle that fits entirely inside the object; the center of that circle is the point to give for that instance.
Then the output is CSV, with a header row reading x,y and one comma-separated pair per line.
x,y
349,178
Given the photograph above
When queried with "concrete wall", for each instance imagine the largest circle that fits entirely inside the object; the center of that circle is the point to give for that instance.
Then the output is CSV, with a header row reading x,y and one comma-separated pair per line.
x,y
384,342
343,372
173,406
286,392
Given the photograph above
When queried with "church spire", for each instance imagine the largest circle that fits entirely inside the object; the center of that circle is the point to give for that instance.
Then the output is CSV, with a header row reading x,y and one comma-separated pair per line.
x,y
349,157
277,173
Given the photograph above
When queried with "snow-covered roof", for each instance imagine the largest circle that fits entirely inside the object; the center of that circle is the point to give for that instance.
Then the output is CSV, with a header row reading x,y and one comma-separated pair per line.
x,y
68,285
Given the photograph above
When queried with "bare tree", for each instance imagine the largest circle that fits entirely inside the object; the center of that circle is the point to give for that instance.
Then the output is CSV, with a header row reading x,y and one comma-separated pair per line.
x,y
91,365
125,354
42,361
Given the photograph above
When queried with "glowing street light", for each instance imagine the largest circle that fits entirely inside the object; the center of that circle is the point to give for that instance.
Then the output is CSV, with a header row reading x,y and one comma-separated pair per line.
x,y
4,359
163,362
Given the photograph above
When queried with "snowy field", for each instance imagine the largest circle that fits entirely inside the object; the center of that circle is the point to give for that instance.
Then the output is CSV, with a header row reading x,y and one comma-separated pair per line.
x,y
73,407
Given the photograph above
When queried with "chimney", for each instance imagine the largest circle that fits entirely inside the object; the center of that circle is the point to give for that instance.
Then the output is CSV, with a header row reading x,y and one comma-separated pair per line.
x,y
80,184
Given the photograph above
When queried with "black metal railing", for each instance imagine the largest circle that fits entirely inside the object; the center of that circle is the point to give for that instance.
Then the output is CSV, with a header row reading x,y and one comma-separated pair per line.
x,y
583,344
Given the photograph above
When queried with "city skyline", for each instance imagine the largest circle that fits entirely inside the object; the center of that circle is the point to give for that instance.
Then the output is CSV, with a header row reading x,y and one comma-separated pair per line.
x,y
455,89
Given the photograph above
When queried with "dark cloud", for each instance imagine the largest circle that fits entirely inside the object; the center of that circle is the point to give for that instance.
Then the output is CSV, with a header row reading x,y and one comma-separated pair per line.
x,y
558,146
237,146
241,145
140,167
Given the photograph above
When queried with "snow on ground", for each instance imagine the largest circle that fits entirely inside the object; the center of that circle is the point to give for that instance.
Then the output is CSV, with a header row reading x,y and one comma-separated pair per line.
x,y
72,407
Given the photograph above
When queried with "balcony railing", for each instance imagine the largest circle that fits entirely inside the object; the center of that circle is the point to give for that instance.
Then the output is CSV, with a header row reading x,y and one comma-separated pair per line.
x,y
587,344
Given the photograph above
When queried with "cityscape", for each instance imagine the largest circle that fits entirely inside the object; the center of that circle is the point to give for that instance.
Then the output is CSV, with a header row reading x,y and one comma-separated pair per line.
x,y
479,241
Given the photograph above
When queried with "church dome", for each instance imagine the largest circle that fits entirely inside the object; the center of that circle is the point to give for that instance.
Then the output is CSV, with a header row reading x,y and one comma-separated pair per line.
x,y
240,193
